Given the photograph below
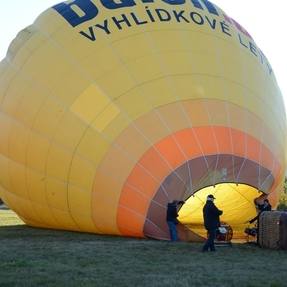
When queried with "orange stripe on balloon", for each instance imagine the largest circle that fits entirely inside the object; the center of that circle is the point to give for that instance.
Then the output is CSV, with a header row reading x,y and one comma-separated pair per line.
x,y
135,198
155,163
133,220
188,143
144,181
175,150
170,151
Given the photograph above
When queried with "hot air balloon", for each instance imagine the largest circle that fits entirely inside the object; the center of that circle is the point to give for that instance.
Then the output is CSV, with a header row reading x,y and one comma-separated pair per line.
x,y
111,109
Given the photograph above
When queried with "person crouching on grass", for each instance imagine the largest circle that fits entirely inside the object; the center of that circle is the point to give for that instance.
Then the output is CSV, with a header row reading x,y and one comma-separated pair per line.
x,y
211,222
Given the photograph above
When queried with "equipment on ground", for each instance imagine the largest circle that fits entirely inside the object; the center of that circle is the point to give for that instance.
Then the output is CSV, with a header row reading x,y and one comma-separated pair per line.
x,y
272,230
224,235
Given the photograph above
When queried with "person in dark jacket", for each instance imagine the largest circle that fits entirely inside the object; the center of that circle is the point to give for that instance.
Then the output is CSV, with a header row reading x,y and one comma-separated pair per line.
x,y
171,218
211,222
266,206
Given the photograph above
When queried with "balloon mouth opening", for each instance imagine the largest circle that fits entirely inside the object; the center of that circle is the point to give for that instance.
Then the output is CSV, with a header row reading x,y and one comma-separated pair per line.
x,y
235,190
236,201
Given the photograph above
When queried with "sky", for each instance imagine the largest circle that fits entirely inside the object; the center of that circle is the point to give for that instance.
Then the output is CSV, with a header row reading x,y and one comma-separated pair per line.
x,y
263,19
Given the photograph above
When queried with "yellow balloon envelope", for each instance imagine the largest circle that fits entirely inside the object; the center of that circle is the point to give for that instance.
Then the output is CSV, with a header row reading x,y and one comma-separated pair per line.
x,y
111,109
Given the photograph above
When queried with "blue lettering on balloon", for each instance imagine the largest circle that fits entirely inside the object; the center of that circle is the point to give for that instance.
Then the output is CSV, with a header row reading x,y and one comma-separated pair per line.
x,y
89,10
210,7
110,4
174,2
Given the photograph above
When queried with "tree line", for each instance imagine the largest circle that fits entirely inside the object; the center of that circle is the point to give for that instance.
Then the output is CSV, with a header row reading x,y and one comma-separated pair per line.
x,y
283,198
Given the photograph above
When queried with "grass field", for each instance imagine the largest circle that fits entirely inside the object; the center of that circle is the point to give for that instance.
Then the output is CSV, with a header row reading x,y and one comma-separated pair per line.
x,y
38,257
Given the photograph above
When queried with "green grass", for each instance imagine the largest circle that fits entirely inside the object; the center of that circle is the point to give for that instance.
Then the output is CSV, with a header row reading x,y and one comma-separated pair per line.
x,y
39,257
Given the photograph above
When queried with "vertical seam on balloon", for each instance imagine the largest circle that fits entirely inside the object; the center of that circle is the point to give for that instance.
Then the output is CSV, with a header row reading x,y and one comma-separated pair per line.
x,y
215,139
226,103
244,77
148,33
260,156
244,158
230,133
163,68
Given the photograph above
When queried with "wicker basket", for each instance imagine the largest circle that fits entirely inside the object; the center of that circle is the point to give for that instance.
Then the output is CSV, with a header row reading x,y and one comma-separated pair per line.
x,y
272,230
